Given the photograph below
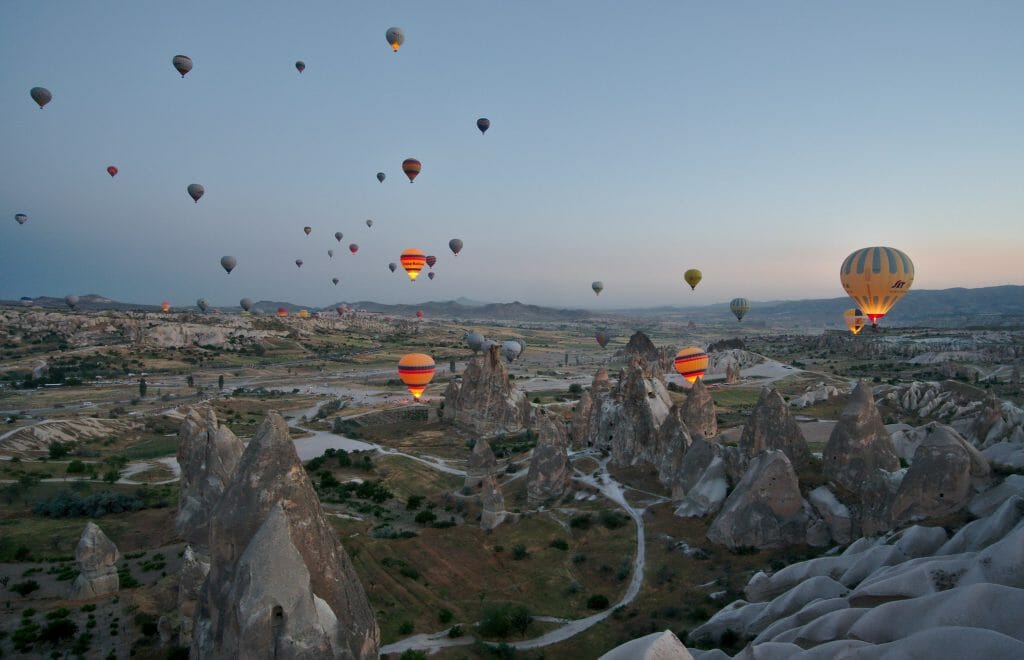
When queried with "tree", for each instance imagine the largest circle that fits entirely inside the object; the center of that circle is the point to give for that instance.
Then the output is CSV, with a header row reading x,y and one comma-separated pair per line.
x,y
142,388
58,449
191,381
220,381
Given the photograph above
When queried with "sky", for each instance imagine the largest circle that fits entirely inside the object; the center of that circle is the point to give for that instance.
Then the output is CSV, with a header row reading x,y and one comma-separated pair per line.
x,y
759,142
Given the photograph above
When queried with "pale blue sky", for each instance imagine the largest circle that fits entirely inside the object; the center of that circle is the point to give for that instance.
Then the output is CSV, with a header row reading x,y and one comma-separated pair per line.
x,y
761,142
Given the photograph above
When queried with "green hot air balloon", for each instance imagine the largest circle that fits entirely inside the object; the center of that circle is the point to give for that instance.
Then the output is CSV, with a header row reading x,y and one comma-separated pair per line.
x,y
739,307
228,263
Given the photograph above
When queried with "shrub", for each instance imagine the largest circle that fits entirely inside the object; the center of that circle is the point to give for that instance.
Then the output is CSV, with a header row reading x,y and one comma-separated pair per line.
x,y
559,544
413,502
455,631
69,504
76,467
597,602
503,619
579,558
519,552
25,587
445,615
58,630
406,628
583,521
412,654
612,519
575,388
409,572
425,517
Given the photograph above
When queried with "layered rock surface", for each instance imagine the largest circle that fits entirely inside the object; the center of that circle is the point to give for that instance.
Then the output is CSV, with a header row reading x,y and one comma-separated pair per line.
x,y
549,473
698,410
96,556
208,454
485,402
493,503
481,464
770,426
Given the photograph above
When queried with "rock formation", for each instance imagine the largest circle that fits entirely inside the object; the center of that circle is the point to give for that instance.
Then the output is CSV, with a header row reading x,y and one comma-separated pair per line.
x,y
770,426
698,411
493,504
765,510
654,361
481,464
208,454
549,473
581,413
673,441
732,374
656,646
97,558
486,403
280,584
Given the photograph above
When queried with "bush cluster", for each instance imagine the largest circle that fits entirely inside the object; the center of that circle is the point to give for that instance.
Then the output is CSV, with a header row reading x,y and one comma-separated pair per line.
x,y
69,504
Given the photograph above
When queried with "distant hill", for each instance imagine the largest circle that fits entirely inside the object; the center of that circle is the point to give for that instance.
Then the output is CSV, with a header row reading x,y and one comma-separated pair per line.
x,y
514,311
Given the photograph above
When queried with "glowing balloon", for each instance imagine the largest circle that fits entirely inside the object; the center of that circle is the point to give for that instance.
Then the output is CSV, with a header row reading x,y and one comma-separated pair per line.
x,y
40,95
245,303
112,171
183,63
876,278
195,191
395,37
165,306
692,277
483,124
598,287
691,363
300,65
455,245
282,312
228,263
20,218
416,370
739,307
855,320
412,168
413,261
353,248
338,236
381,176
307,230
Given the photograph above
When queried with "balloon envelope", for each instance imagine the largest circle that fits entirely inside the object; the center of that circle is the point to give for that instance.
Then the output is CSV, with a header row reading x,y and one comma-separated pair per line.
x,y
112,171
876,278
303,314
431,260
413,261
183,63
353,248
598,287
511,350
483,124
195,191
300,65
412,168
245,303
330,253
692,277
855,320
40,95
430,275
419,313
739,307
455,245
20,218
691,363
474,340
393,267
335,280
395,37
71,300
602,338
369,223
338,236
298,262
165,306
416,370
202,304
381,176
228,263
308,230
281,311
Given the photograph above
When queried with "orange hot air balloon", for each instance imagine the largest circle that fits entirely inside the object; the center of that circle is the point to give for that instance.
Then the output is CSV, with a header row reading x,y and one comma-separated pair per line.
x,y
413,261
112,171
855,320
416,370
303,314
691,363
165,306
282,312
411,167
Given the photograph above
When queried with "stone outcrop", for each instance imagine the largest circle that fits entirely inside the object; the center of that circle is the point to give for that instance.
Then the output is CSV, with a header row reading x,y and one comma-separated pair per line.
x,y
707,495
549,473
656,646
732,374
835,514
481,464
581,413
818,394
654,362
693,466
770,426
859,445
208,454
765,510
280,584
97,557
493,503
940,478
673,441
485,402
731,359
698,411
177,626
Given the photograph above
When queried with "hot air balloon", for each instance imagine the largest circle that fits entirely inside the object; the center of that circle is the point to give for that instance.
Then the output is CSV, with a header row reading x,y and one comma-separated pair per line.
x,y
381,176
298,262
416,370
71,300
855,320
282,312
228,263
26,301
692,277
40,95
455,245
413,261
395,37
511,350
691,363
739,307
522,346
430,275
20,218
340,310
876,278
369,223
412,168
353,248
183,63
598,287
245,303
300,65
419,313
474,340
431,260
195,191
307,230
602,338
392,266
303,314
330,253
112,171
335,280
338,236
483,124
165,306
202,304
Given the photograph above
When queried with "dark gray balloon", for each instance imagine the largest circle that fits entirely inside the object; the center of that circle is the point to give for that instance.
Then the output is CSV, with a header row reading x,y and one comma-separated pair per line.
x,y
395,37
330,253
335,280
202,304
245,303
298,262
195,191
455,245
71,300
40,95
183,63
20,218
392,266
381,176
228,263
511,350
337,236
483,124
474,340
300,65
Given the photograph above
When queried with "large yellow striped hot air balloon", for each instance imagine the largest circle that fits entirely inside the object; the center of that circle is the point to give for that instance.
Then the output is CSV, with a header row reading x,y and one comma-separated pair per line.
x,y
413,261
876,278
855,320
691,363
416,370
